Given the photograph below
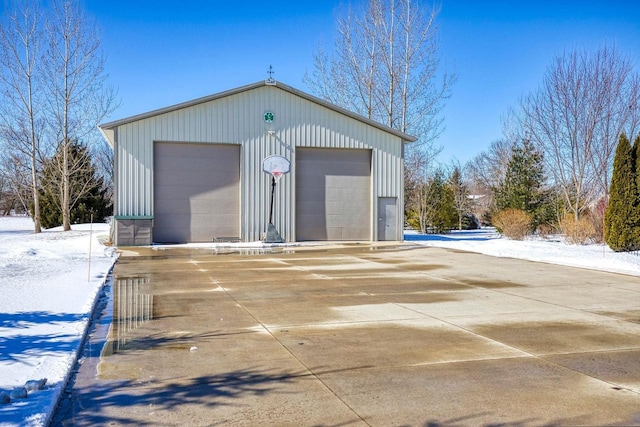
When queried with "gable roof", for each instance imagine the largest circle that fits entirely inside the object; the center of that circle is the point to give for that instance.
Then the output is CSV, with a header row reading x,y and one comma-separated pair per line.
x,y
114,124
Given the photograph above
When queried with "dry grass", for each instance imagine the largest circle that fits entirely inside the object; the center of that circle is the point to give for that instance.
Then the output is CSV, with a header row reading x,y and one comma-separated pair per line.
x,y
578,232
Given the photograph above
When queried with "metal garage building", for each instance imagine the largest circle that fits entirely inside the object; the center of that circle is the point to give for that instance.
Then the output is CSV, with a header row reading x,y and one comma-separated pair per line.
x,y
192,172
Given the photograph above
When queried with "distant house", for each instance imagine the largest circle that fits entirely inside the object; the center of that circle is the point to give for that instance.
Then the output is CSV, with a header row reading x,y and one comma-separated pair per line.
x,y
192,172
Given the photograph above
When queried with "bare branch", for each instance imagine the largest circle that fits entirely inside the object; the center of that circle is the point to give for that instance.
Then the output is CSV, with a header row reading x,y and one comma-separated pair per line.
x,y
586,100
385,66
21,119
76,87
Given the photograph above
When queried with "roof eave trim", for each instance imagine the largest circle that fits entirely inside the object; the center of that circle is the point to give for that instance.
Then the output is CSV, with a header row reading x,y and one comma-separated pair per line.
x,y
180,106
403,136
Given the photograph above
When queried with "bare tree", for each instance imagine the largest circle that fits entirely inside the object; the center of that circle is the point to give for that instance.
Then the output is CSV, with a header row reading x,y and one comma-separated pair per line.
x,y
487,169
485,173
103,154
422,177
586,100
15,182
21,124
76,88
385,66
425,199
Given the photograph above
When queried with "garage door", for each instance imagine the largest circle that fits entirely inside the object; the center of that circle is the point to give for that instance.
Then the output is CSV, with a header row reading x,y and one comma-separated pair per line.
x,y
333,195
196,192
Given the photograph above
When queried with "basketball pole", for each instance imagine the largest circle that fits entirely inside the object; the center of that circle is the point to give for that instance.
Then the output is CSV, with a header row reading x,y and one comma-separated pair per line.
x,y
272,233
273,189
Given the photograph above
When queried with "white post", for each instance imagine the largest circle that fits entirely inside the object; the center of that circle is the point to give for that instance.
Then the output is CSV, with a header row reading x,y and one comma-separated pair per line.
x,y
90,239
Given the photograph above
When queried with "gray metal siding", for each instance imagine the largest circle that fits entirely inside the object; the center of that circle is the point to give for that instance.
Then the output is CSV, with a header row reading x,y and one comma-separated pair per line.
x,y
238,119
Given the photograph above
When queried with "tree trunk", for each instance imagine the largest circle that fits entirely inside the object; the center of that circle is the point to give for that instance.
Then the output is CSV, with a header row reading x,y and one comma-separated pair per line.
x,y
37,227
66,221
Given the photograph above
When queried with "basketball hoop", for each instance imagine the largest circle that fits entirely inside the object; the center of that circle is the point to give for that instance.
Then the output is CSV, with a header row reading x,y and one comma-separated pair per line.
x,y
276,166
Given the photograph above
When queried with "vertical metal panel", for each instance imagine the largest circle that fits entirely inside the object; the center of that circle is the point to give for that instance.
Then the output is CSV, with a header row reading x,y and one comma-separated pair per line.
x,y
238,119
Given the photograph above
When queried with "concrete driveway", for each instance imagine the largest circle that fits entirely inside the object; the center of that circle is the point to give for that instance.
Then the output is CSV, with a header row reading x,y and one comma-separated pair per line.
x,y
379,335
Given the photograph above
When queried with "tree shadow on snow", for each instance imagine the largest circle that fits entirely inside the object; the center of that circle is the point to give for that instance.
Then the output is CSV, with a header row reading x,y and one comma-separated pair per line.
x,y
15,347
20,412
23,320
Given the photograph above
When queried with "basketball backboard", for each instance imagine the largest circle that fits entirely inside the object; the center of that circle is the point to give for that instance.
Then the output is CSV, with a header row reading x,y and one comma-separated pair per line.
x,y
276,165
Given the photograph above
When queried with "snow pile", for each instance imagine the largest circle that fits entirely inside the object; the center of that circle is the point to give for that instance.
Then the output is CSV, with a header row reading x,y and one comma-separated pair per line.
x,y
47,291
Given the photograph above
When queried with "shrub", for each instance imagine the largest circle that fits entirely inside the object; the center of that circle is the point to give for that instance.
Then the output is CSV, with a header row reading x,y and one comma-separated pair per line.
x,y
578,232
596,217
470,222
545,230
514,224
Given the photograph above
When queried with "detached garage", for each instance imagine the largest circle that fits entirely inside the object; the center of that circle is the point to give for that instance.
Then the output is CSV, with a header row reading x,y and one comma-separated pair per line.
x,y
193,172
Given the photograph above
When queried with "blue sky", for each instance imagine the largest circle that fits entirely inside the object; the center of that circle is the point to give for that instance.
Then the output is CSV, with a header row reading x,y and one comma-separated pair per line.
x,y
162,52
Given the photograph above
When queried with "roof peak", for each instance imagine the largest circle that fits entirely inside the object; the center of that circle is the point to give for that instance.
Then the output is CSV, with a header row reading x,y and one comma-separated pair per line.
x,y
263,83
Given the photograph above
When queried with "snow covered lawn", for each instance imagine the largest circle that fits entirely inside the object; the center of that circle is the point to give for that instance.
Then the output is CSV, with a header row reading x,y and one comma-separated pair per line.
x,y
48,289
553,251
47,292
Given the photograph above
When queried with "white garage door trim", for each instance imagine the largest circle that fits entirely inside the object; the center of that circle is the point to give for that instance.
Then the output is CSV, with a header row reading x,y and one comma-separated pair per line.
x,y
196,192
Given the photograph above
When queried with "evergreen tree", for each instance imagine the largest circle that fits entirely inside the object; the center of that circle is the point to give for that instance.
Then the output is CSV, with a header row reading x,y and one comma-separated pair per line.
x,y
621,220
636,164
435,209
446,216
523,185
88,192
635,210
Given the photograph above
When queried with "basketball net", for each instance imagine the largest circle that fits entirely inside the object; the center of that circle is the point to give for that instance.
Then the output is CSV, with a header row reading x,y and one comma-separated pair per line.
x,y
276,175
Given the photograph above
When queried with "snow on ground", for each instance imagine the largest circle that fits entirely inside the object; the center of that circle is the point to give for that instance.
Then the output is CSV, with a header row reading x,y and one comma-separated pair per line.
x,y
48,289
47,292
552,250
